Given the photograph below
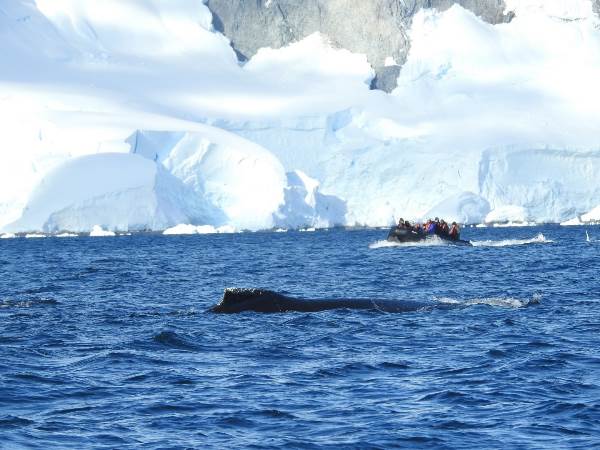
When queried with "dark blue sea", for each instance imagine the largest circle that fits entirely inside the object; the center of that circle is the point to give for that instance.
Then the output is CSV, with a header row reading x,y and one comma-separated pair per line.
x,y
107,342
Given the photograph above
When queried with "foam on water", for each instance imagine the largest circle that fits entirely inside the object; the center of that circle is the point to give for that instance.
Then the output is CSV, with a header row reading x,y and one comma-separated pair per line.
x,y
432,241
505,302
590,239
539,239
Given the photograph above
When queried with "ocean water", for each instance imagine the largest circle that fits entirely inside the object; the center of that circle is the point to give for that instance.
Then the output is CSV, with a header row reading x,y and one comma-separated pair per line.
x,y
106,342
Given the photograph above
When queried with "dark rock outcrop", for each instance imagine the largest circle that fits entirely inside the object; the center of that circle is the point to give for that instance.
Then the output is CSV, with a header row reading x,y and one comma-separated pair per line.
x,y
377,28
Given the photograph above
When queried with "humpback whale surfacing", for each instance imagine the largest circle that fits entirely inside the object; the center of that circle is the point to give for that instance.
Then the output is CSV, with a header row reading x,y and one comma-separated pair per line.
x,y
237,300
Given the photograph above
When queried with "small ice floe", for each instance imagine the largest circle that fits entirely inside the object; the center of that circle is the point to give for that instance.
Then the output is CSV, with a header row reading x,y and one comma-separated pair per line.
x,y
280,230
8,236
97,231
35,235
575,221
310,229
66,235
183,229
514,224
590,218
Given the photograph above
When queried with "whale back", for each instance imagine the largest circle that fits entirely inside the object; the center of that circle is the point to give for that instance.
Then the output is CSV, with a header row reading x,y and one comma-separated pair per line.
x,y
237,299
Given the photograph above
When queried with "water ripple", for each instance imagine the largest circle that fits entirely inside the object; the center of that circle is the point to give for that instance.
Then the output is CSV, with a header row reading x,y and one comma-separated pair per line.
x,y
107,343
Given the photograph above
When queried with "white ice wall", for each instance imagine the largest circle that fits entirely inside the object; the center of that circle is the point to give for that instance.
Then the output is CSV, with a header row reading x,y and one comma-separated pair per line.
x,y
504,116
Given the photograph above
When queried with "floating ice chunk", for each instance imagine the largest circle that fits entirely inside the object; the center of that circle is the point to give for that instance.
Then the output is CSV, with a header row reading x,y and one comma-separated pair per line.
x,y
514,224
35,235
65,235
183,229
592,216
97,231
572,222
7,236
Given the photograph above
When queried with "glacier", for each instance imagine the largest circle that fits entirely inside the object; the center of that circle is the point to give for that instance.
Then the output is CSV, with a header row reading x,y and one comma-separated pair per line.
x,y
136,115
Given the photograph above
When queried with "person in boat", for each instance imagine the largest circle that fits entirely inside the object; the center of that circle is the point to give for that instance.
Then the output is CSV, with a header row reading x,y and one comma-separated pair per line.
x,y
432,226
444,229
400,223
454,232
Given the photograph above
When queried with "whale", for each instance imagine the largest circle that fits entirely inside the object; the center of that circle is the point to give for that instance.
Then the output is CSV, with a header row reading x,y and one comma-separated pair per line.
x,y
237,300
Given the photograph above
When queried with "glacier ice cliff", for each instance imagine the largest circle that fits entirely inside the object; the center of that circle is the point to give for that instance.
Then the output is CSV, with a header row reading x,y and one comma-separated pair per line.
x,y
136,114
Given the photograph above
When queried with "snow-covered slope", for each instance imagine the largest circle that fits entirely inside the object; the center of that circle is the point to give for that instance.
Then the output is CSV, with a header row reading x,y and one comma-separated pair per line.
x,y
488,122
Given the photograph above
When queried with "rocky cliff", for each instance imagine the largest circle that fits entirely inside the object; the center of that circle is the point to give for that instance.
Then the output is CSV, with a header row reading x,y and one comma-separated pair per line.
x,y
377,28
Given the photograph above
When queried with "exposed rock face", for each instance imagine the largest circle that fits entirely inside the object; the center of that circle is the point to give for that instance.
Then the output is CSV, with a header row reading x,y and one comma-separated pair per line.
x,y
597,6
377,28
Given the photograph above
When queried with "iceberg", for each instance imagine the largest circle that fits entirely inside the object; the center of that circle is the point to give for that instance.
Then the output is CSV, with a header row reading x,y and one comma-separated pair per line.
x,y
592,216
113,190
97,231
239,178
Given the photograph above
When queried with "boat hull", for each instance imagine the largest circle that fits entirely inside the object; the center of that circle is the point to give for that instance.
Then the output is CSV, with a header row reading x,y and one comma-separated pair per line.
x,y
406,235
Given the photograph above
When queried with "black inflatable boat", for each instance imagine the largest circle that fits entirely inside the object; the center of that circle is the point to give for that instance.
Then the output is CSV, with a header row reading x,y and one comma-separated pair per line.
x,y
403,235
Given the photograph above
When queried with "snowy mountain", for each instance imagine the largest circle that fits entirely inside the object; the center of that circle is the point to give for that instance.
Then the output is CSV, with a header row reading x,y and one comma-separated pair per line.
x,y
138,114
